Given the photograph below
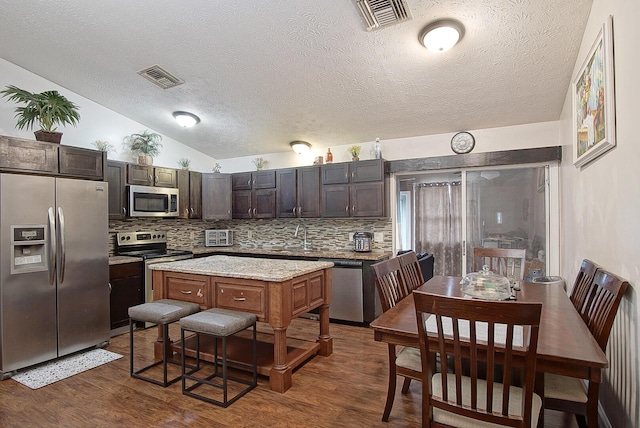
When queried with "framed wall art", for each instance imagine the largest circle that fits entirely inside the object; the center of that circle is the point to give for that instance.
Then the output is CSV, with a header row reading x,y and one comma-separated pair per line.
x,y
594,100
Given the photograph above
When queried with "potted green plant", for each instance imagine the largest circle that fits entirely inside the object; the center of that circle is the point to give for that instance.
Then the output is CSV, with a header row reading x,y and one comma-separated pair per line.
x,y
217,167
146,145
260,163
184,163
355,152
103,146
48,109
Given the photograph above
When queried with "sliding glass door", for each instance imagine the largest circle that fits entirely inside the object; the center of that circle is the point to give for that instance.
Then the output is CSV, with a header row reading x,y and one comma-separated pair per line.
x,y
450,213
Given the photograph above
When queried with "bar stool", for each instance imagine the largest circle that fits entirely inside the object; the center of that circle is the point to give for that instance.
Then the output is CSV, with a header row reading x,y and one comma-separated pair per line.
x,y
162,312
219,324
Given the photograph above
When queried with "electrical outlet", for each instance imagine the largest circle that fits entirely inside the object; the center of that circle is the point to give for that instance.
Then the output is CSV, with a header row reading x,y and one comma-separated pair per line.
x,y
351,236
193,236
378,236
250,234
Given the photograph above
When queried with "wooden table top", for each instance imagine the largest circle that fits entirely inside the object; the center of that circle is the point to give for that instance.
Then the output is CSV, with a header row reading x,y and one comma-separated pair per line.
x,y
565,344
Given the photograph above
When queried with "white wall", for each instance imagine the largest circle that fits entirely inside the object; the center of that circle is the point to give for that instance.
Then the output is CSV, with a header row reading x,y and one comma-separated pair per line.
x,y
600,206
543,134
96,123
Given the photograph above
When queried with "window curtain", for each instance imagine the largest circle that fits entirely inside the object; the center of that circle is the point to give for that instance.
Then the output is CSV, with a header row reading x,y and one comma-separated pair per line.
x,y
438,215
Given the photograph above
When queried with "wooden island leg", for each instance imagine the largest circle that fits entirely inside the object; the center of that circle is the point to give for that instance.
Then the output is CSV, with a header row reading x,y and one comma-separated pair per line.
x,y
280,374
324,339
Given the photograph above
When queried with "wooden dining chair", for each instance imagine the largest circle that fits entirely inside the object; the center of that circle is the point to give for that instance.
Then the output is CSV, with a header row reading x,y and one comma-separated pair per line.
x,y
472,329
570,394
404,361
505,261
583,286
411,270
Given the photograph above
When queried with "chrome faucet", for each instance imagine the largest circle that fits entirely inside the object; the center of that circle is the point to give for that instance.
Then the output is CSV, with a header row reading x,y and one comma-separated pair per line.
x,y
305,245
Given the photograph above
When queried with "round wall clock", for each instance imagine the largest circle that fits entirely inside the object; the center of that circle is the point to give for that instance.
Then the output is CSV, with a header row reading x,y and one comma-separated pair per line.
x,y
462,142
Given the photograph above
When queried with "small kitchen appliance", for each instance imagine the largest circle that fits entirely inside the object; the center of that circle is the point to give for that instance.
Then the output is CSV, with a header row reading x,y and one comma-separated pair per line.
x,y
362,241
218,238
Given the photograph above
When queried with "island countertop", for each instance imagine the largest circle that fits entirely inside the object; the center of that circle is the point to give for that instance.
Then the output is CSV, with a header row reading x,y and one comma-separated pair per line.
x,y
244,267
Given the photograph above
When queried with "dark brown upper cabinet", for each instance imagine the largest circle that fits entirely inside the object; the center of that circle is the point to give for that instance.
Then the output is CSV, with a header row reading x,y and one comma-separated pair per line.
x,y
147,175
216,196
298,192
117,179
189,193
253,194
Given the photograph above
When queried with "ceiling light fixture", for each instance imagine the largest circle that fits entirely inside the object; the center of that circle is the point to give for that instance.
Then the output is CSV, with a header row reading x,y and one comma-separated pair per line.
x,y
300,146
441,35
186,119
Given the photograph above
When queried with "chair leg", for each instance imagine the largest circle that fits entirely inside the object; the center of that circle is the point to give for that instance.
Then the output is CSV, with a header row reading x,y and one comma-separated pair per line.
x,y
406,384
581,420
391,391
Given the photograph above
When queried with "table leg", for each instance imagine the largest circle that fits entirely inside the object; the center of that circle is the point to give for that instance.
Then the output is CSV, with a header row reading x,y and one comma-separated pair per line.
x,y
324,339
280,374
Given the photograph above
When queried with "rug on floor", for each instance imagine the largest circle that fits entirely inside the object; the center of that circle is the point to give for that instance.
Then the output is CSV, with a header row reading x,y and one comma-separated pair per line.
x,y
63,368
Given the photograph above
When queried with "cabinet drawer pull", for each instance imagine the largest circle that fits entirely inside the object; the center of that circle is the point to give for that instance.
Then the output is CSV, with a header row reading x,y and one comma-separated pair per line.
x,y
186,292
239,299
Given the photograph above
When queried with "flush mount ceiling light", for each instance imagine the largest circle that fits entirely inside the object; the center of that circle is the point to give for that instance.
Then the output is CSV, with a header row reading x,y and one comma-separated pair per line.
x,y
186,119
441,35
300,146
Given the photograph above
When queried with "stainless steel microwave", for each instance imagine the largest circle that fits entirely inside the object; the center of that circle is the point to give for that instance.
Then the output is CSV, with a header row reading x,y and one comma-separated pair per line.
x,y
147,201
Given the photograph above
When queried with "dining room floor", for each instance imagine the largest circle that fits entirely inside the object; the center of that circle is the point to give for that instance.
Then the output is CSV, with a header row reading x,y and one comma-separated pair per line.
x,y
346,389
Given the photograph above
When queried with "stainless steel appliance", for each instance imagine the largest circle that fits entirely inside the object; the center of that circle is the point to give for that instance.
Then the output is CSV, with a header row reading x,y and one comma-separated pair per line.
x,y
147,201
54,268
152,247
362,241
346,290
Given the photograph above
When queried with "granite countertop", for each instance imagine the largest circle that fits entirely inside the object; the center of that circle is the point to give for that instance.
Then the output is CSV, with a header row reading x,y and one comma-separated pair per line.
x,y
374,255
244,267
118,260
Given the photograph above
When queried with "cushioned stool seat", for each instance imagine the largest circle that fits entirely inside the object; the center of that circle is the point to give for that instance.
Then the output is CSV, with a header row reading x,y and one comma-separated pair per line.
x,y
162,312
219,324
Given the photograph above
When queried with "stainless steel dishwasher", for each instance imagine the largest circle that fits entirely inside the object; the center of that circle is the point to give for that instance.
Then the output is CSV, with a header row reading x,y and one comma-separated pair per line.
x,y
346,292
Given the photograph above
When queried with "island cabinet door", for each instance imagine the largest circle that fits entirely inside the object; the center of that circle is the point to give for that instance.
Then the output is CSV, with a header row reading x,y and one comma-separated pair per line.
x,y
307,293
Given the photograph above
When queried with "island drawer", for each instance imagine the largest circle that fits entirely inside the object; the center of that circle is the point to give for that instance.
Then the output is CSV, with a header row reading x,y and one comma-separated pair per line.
x,y
187,289
246,298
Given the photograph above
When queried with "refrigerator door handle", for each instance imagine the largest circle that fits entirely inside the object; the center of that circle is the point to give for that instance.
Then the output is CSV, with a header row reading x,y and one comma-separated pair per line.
x,y
63,247
52,246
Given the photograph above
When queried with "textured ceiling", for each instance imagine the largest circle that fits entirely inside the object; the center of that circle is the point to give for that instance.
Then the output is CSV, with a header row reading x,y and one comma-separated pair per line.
x,y
262,73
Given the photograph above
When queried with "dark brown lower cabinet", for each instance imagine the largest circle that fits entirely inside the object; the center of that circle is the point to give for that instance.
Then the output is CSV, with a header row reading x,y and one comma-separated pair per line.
x,y
127,289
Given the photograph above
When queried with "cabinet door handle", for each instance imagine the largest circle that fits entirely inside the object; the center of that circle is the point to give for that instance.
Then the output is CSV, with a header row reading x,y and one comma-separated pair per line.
x,y
353,209
249,212
249,183
255,212
191,211
150,177
299,210
186,292
124,211
347,209
156,179
239,299
353,174
254,183
294,210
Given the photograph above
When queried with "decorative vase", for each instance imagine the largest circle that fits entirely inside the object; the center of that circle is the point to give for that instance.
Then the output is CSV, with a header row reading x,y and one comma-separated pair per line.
x,y
49,137
355,158
145,160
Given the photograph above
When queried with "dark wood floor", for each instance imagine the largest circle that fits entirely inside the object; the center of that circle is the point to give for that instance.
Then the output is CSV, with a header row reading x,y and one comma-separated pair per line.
x,y
347,389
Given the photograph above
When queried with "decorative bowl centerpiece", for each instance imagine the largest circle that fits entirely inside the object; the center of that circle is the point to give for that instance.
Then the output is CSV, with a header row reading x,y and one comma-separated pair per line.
x,y
486,285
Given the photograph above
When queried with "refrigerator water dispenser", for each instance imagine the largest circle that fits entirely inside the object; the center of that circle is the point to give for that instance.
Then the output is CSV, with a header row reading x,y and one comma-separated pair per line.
x,y
28,249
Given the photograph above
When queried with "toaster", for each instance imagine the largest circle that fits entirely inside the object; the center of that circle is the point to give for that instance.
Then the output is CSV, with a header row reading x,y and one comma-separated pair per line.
x,y
218,238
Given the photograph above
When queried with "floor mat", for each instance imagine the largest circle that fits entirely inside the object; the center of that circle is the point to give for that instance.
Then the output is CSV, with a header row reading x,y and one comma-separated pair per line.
x,y
63,368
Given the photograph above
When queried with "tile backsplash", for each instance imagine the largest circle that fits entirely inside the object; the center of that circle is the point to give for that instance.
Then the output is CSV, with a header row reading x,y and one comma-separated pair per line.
x,y
322,233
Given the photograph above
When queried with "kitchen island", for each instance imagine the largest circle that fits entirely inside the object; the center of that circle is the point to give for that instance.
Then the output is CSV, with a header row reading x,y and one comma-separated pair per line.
x,y
277,291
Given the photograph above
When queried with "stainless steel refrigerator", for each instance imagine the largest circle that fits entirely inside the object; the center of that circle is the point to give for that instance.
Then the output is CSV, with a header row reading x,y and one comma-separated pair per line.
x,y
54,268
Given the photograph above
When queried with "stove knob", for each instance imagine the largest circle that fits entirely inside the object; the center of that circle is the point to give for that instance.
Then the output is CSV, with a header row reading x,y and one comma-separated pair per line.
x,y
128,238
122,238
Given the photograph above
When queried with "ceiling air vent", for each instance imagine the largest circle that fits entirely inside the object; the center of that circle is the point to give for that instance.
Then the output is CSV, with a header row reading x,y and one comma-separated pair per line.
x,y
382,13
160,77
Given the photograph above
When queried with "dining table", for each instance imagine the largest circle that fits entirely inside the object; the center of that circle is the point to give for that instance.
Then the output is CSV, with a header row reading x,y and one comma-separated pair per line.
x,y
565,344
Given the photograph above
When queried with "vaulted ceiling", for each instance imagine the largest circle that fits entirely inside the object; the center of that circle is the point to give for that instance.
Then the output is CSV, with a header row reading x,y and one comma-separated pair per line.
x,y
262,73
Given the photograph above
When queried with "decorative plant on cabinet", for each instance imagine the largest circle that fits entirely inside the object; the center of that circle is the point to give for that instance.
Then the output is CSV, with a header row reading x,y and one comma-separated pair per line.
x,y
49,109
146,144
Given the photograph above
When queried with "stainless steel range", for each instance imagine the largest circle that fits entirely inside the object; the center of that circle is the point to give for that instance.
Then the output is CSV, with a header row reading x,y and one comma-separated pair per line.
x,y
152,247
